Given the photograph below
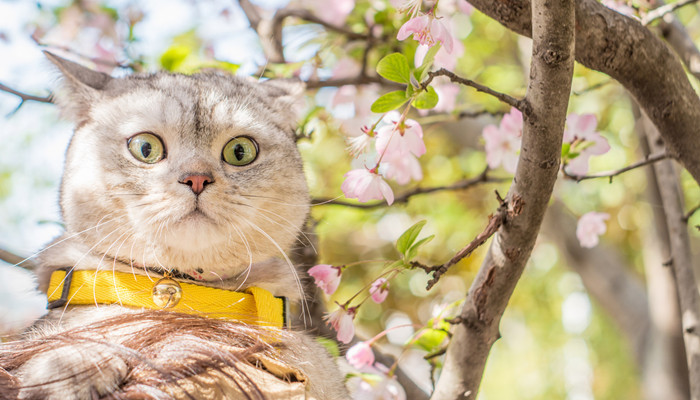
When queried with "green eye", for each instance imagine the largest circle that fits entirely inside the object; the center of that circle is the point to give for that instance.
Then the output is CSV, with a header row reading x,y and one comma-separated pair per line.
x,y
146,147
240,151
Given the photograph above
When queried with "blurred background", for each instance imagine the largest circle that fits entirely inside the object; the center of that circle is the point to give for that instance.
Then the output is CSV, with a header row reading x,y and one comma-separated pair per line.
x,y
559,341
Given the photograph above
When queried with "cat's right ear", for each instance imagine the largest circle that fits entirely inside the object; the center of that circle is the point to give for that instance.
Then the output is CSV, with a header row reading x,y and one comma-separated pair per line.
x,y
80,87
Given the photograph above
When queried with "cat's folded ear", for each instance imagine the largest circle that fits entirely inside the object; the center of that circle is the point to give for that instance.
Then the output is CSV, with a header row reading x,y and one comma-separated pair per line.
x,y
289,95
80,87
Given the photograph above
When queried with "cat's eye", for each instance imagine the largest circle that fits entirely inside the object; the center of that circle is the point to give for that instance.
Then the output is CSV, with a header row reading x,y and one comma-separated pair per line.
x,y
146,147
240,151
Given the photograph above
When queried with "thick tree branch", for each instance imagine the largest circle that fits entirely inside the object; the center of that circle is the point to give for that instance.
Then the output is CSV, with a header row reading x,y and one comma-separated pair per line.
x,y
461,185
610,174
681,264
624,49
547,96
512,101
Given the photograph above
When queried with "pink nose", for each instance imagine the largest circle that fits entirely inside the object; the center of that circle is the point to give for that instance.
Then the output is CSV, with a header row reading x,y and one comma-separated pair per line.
x,y
197,182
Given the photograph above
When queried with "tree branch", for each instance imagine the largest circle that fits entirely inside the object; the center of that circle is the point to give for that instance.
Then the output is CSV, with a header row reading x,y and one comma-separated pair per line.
x,y
505,212
635,58
512,101
25,96
461,185
547,96
677,36
681,259
690,213
660,12
610,174
14,259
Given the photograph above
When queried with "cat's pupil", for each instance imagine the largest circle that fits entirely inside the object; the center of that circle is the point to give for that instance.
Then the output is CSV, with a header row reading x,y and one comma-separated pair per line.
x,y
146,149
239,152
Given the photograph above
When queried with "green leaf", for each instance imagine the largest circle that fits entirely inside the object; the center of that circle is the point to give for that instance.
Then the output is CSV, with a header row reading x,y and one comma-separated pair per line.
x,y
407,238
413,251
174,56
330,345
431,339
426,99
389,101
422,71
565,148
394,67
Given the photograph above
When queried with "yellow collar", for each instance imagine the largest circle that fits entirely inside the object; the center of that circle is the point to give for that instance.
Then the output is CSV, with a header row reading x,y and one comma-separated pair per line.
x,y
255,306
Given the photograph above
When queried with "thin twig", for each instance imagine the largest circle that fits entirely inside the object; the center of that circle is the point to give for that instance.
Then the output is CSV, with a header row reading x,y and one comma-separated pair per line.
x,y
592,87
25,96
461,185
504,212
660,12
308,16
611,174
520,104
360,79
14,259
690,213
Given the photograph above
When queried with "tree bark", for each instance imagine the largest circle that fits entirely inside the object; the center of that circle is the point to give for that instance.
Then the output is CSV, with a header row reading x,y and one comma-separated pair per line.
x,y
681,262
628,52
547,98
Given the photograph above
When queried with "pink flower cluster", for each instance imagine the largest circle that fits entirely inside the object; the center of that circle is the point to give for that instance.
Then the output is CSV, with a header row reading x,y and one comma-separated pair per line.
x,y
341,320
590,226
585,142
399,143
503,142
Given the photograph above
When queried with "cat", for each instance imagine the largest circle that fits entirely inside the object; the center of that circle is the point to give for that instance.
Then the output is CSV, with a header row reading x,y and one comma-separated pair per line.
x,y
191,178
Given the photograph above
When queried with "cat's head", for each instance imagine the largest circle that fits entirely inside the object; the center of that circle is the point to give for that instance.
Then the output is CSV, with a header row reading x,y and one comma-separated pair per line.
x,y
195,172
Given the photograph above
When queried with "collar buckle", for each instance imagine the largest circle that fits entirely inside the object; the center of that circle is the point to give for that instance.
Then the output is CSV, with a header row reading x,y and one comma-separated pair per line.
x,y
63,300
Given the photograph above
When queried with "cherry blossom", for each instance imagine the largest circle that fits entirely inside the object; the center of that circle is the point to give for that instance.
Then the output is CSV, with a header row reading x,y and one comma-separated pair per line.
x,y
580,127
409,7
375,384
334,12
379,290
427,30
364,185
360,355
358,144
402,169
341,321
327,277
442,57
400,138
580,132
589,227
503,142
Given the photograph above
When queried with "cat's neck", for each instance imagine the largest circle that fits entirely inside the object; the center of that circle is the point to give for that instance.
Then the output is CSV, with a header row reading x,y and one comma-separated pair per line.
x,y
278,276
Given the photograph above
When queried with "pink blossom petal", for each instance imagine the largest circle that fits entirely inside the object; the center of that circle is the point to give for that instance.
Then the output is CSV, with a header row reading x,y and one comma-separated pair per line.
x,y
402,169
413,26
379,290
590,226
365,185
342,321
326,277
360,355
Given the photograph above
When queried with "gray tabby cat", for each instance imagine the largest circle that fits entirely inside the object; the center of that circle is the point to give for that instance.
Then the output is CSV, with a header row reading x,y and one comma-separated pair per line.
x,y
198,176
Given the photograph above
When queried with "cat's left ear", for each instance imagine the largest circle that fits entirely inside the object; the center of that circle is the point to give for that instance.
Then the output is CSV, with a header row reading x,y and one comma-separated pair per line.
x,y
289,95
81,86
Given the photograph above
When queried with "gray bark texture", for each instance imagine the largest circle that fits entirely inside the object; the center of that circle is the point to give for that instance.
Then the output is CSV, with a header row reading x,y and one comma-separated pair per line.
x,y
681,261
547,99
664,368
628,52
